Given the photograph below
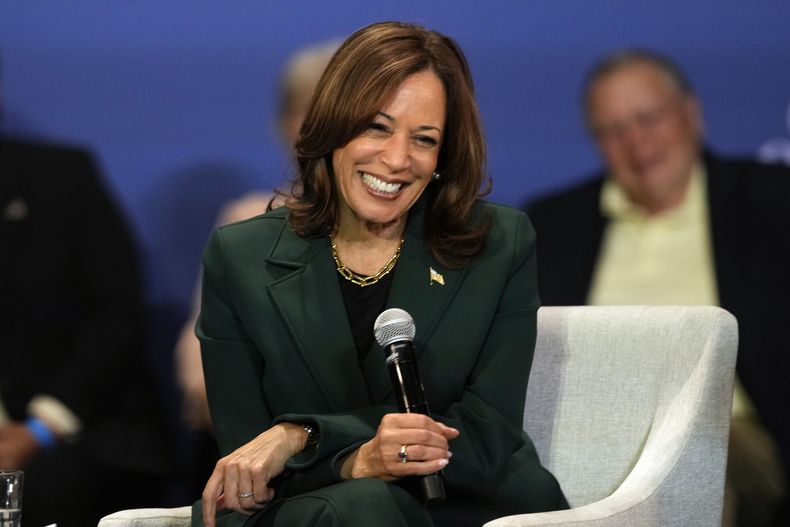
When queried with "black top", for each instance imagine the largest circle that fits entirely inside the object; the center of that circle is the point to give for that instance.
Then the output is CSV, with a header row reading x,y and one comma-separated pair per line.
x,y
363,305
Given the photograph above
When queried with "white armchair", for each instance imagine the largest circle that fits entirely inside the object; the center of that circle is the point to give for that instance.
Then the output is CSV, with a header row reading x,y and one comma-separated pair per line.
x,y
629,408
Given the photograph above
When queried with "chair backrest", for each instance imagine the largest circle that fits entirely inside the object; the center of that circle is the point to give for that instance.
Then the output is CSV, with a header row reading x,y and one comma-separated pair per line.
x,y
633,392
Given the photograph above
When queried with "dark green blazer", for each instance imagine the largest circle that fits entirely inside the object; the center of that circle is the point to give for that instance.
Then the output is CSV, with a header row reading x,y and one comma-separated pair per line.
x,y
277,346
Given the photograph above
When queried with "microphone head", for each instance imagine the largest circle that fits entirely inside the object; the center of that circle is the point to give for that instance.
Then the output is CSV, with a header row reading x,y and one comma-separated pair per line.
x,y
393,325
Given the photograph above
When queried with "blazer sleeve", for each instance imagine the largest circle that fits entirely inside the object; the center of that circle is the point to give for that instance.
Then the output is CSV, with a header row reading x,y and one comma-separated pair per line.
x,y
231,363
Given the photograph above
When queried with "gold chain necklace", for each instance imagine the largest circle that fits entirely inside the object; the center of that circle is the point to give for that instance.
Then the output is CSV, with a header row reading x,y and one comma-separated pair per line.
x,y
362,280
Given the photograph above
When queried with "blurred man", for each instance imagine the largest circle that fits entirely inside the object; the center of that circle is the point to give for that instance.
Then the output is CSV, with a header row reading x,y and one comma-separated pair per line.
x,y
669,222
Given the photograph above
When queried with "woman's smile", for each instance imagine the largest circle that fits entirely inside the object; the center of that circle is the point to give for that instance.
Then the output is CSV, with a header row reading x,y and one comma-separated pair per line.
x,y
381,187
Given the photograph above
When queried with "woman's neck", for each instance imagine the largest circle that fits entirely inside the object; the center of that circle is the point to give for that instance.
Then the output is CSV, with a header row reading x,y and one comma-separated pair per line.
x,y
353,229
365,247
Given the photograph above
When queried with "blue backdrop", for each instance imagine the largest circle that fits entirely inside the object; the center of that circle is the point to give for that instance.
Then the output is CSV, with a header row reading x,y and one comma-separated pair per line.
x,y
176,98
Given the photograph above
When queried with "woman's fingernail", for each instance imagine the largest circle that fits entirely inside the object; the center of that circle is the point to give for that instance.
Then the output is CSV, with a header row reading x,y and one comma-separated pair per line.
x,y
443,463
449,454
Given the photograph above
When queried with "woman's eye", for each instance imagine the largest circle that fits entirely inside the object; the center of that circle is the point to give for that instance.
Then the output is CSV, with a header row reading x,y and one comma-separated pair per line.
x,y
378,127
426,140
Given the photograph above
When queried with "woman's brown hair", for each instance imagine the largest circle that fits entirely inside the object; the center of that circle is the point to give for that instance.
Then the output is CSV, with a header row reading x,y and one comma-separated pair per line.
x,y
358,82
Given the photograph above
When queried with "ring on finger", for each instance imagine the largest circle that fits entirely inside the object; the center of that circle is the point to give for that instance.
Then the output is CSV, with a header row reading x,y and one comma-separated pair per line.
x,y
249,494
402,455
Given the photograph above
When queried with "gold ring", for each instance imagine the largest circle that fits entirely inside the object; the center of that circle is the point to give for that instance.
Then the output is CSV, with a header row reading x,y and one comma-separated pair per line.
x,y
402,454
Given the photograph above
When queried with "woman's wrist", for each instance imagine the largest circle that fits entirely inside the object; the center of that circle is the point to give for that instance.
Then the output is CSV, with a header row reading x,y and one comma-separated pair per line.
x,y
347,466
302,437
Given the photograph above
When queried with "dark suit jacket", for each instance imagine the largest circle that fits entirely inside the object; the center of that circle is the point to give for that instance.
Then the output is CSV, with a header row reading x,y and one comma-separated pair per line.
x,y
277,346
71,304
749,207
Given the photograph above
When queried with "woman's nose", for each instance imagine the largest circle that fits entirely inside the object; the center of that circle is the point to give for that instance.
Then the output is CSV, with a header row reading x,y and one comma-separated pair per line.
x,y
396,153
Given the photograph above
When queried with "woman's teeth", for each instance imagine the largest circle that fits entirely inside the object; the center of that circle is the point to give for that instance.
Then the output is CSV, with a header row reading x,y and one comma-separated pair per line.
x,y
379,185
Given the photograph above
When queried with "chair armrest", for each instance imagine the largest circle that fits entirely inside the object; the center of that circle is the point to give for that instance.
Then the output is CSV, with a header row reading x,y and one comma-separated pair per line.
x,y
177,517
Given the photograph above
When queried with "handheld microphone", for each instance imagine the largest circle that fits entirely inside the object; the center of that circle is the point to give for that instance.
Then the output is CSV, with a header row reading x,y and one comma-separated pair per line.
x,y
394,331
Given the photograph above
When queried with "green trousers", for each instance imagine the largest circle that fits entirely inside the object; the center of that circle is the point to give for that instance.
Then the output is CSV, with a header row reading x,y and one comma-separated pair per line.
x,y
370,501
358,502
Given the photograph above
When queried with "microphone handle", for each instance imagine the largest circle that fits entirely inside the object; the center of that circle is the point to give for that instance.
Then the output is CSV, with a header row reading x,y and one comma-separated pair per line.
x,y
405,377
432,486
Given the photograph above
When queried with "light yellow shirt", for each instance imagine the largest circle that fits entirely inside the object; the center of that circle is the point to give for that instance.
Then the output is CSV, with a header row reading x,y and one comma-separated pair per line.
x,y
664,259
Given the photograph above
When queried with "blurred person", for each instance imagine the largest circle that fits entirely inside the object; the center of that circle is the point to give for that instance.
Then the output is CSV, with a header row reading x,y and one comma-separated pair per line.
x,y
670,222
77,412
297,84
385,212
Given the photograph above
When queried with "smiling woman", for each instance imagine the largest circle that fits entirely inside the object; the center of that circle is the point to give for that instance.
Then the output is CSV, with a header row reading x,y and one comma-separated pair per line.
x,y
299,392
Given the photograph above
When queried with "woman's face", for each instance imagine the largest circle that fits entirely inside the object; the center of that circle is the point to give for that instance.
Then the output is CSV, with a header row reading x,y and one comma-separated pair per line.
x,y
382,172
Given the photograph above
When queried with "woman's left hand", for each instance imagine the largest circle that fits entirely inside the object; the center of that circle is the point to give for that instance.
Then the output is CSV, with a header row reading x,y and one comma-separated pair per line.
x,y
240,480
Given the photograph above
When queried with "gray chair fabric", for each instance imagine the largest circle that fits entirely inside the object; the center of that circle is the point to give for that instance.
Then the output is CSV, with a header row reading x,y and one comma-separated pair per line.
x,y
629,407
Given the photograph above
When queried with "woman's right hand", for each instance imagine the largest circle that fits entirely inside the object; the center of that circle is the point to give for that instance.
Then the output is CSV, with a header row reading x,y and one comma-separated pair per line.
x,y
240,480
425,441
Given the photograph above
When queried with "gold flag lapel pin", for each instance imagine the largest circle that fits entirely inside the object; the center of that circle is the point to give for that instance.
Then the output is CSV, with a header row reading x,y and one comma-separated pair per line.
x,y
435,277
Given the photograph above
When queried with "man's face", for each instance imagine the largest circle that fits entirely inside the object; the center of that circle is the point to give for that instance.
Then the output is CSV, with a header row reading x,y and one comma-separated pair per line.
x,y
648,133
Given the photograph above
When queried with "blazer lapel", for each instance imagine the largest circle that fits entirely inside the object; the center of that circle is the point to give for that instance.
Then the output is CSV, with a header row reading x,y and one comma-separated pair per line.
x,y
414,292
311,305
